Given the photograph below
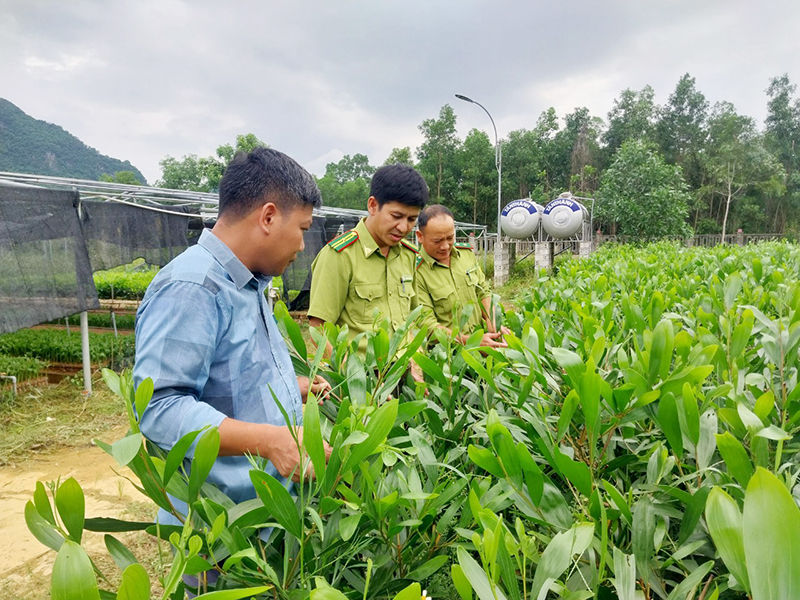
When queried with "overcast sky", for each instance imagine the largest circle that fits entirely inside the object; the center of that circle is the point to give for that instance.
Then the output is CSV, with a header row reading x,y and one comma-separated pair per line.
x,y
317,79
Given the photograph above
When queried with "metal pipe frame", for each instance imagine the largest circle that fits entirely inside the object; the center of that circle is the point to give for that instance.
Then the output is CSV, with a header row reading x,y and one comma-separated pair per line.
x,y
13,380
162,199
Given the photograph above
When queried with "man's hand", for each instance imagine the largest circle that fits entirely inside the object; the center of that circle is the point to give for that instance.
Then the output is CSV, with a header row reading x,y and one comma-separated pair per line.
x,y
416,372
319,387
504,330
273,442
284,455
319,324
493,340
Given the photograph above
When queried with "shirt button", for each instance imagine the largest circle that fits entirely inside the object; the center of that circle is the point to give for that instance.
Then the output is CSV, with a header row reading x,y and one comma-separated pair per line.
x,y
391,293
395,324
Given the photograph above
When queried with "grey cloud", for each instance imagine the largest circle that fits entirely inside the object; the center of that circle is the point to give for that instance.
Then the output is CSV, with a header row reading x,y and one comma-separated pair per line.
x,y
321,79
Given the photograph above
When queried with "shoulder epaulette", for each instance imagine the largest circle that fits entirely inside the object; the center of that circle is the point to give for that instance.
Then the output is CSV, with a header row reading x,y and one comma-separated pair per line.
x,y
343,241
410,246
419,261
464,246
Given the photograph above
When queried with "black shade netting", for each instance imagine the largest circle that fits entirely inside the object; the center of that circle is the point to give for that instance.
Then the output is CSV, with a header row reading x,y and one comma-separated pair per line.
x,y
297,276
118,234
45,272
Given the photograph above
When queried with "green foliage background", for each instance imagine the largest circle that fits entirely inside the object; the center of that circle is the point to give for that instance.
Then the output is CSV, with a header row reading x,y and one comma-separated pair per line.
x,y
720,171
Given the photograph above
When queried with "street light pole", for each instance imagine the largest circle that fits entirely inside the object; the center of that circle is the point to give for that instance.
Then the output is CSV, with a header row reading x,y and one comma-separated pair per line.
x,y
498,160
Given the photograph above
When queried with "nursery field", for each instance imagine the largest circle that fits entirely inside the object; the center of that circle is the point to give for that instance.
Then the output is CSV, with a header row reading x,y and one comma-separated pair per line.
x,y
636,440
128,282
52,348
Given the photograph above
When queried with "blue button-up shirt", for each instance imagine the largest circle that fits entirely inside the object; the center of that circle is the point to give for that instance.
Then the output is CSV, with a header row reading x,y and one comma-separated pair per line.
x,y
207,338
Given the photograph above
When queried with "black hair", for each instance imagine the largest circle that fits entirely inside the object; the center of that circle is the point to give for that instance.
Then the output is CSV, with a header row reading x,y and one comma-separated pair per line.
x,y
431,212
265,175
399,183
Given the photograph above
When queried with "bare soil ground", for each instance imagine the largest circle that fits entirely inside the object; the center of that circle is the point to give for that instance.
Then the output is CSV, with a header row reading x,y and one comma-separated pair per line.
x,y
61,447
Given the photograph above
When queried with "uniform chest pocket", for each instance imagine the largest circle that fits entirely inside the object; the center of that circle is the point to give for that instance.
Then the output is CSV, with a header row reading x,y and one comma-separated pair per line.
x,y
472,276
406,287
367,299
405,292
444,299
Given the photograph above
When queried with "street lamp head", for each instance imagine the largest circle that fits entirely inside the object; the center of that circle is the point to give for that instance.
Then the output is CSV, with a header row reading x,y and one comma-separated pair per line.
x,y
498,154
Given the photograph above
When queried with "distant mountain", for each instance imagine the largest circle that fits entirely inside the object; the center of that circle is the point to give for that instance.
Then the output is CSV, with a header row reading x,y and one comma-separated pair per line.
x,y
28,145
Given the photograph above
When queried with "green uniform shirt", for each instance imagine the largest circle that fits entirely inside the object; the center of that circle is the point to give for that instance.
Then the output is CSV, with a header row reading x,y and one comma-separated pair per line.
x,y
352,283
444,290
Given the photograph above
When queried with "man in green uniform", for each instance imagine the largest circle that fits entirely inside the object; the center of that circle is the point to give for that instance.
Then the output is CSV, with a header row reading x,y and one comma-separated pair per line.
x,y
448,280
368,272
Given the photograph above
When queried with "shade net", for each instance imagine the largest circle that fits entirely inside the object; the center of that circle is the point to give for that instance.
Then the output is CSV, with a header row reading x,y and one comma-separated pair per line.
x,y
118,234
45,273
297,276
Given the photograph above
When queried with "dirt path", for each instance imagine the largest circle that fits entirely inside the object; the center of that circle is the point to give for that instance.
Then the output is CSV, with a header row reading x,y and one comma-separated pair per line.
x,y
25,563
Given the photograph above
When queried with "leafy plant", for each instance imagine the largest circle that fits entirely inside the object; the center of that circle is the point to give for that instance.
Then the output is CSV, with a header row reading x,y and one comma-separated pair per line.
x,y
123,283
102,319
22,367
637,439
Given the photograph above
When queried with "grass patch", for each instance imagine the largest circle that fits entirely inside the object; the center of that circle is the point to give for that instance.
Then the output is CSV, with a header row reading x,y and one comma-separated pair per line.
x,y
46,419
523,276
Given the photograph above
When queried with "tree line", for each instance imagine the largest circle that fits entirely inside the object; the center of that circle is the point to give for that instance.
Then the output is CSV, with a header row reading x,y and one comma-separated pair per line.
x,y
653,169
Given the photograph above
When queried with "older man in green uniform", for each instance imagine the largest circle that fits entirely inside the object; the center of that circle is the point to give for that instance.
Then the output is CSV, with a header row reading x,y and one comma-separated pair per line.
x,y
448,279
368,272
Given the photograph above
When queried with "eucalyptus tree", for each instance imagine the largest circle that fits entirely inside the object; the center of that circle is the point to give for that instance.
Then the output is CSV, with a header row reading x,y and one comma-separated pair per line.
x,y
438,155
566,150
546,130
478,178
737,161
633,117
400,155
522,161
581,136
681,130
783,138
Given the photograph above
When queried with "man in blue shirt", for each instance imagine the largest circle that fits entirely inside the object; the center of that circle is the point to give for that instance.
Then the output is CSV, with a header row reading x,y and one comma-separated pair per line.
x,y
206,336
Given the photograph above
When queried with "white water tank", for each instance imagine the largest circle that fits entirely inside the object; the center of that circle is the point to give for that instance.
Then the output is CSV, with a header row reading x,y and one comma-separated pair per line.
x,y
520,219
564,217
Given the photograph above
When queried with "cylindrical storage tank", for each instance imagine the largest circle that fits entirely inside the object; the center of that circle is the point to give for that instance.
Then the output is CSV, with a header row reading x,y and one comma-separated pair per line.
x,y
520,219
564,217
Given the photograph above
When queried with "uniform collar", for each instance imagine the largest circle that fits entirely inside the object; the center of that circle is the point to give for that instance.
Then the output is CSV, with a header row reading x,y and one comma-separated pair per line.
x,y
368,242
239,274
454,253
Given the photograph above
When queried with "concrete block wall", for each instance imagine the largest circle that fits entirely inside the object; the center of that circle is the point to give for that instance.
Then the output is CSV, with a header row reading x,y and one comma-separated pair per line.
x,y
502,262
